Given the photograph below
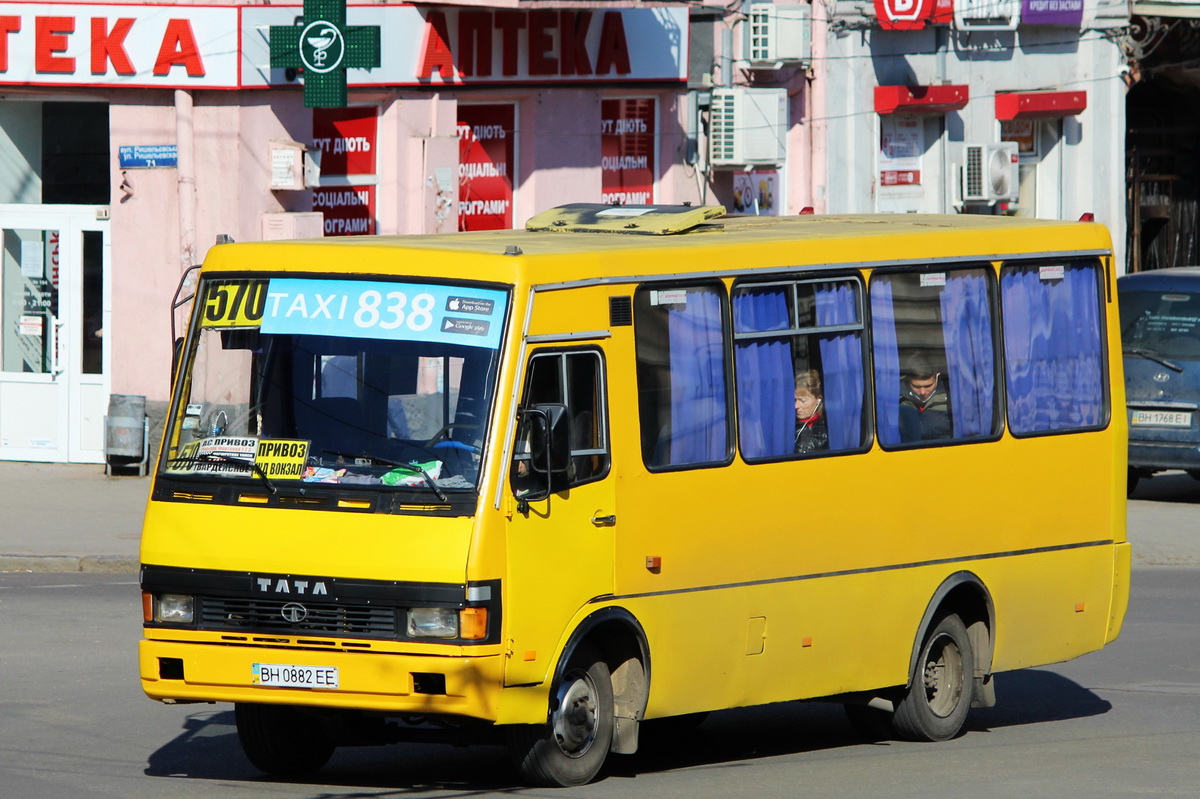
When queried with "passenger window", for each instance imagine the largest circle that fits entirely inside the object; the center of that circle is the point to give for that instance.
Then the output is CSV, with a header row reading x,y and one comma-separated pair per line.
x,y
575,380
933,337
798,355
683,394
1053,347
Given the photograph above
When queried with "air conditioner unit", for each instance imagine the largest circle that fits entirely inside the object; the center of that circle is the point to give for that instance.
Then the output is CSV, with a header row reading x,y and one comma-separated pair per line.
x,y
775,36
747,126
990,172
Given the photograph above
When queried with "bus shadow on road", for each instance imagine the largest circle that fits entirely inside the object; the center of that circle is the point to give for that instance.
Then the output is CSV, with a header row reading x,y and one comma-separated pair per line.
x,y
208,748
1029,696
1032,696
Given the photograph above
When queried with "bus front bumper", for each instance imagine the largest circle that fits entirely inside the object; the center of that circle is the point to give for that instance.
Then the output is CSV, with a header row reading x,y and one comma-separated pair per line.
x,y
175,671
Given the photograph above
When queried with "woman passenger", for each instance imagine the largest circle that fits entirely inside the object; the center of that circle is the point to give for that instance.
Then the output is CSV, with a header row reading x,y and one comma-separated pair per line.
x,y
812,434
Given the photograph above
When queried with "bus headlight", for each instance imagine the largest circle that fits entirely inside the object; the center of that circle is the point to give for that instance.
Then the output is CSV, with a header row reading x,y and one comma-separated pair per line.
x,y
433,623
175,608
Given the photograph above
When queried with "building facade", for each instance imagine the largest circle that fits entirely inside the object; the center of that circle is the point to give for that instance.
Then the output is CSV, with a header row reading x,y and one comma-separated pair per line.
x,y
133,135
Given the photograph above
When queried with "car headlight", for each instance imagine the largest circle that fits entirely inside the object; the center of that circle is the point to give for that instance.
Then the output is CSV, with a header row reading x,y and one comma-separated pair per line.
x,y
175,608
433,623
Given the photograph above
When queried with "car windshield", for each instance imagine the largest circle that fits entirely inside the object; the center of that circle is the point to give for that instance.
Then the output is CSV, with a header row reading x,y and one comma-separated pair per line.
x,y
1164,324
347,382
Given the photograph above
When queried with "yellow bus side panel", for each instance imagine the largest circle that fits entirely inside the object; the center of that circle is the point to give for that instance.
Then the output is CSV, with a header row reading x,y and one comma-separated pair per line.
x,y
833,635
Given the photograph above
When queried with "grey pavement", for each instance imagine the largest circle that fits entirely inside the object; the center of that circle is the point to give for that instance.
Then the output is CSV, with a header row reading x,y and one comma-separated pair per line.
x,y
70,518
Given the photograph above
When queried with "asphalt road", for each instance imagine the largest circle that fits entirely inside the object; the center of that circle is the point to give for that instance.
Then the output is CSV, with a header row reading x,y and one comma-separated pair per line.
x,y
1118,723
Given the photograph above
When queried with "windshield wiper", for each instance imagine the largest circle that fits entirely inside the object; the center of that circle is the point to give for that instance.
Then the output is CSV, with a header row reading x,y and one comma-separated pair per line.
x,y
375,459
1153,356
212,457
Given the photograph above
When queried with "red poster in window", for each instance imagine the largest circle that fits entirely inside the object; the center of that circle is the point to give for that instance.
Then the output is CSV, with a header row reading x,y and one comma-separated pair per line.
x,y
485,166
349,210
627,151
346,139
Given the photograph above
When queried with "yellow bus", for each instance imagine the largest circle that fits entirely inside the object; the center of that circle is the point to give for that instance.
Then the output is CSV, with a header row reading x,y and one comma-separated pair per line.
x,y
631,463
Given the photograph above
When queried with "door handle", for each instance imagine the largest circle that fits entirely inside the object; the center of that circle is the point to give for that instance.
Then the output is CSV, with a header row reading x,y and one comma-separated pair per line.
x,y
604,521
55,327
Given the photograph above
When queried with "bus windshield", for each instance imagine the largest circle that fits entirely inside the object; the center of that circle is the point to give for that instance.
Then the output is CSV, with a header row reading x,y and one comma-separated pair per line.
x,y
348,382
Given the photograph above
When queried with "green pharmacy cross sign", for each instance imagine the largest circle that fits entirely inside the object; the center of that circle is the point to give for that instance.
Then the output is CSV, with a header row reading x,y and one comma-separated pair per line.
x,y
324,46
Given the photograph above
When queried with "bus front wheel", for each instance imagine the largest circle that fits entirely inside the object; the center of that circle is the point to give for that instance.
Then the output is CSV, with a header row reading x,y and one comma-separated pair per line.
x,y
282,740
572,747
939,696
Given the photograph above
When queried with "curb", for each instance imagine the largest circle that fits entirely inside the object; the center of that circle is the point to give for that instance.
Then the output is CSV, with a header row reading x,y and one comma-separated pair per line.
x,y
102,564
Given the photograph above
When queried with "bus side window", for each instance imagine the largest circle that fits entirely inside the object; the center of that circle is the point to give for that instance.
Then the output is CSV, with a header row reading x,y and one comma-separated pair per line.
x,y
934,339
1053,347
684,400
798,356
574,379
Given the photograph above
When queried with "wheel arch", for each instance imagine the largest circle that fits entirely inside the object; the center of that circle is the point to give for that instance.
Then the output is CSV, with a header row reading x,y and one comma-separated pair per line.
x,y
621,640
963,593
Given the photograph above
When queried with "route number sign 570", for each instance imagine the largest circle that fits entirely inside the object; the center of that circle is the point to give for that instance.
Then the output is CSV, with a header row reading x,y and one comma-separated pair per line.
x,y
234,303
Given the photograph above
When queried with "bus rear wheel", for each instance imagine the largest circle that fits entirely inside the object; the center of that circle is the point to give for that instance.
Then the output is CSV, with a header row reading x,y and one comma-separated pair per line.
x,y
939,696
570,749
280,740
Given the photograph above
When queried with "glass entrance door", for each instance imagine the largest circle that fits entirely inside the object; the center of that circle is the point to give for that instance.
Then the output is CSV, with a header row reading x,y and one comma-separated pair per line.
x,y
54,308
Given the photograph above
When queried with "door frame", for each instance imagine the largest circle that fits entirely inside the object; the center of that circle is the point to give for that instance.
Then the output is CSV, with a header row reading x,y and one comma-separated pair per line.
x,y
79,417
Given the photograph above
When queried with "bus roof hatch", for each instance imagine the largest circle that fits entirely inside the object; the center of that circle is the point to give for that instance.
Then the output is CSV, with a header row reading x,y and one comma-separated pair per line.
x,y
654,220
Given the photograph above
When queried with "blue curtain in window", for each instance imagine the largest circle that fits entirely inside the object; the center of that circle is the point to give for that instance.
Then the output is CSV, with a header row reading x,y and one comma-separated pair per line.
x,y
970,357
698,426
841,359
1053,349
765,383
887,363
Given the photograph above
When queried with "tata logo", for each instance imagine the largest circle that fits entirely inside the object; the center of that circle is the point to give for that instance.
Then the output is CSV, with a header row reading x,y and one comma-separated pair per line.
x,y
293,612
290,585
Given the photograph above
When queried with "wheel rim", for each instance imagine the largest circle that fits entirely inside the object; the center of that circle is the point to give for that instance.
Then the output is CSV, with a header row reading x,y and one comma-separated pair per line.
x,y
943,675
574,719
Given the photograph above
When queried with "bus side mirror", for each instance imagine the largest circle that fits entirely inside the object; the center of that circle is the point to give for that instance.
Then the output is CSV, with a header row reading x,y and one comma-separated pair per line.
x,y
547,429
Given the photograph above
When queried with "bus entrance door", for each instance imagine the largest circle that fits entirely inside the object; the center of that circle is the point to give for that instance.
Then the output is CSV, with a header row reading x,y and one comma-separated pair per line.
x,y
561,547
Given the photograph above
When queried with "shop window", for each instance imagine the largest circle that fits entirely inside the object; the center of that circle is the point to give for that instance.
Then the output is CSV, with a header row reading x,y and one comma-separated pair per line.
x,y
75,153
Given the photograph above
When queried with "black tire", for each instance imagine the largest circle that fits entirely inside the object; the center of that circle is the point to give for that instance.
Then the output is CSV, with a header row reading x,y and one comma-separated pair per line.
x,y
870,723
282,741
943,682
1132,482
571,748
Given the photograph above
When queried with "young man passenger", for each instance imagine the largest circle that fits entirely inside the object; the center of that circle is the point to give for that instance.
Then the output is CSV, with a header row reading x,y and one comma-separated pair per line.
x,y
924,402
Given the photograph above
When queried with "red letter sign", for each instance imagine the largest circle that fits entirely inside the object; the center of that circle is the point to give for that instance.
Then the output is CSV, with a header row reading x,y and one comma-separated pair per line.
x,y
7,25
50,38
179,48
903,15
110,46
